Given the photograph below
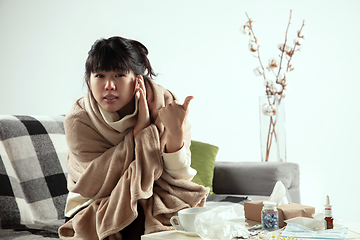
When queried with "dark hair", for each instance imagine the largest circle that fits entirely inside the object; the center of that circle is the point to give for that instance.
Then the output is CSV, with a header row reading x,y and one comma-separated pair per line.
x,y
117,53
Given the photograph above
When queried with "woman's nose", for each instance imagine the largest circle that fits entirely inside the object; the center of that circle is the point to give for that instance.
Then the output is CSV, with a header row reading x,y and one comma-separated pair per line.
x,y
110,85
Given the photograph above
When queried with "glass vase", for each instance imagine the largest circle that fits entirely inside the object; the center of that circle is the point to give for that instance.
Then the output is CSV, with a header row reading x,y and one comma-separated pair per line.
x,y
272,128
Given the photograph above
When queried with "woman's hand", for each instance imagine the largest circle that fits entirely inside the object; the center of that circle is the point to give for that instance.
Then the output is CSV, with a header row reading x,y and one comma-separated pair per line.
x,y
173,117
143,116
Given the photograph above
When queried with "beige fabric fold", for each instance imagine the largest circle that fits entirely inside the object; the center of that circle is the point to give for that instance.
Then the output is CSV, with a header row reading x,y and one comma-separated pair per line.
x,y
119,171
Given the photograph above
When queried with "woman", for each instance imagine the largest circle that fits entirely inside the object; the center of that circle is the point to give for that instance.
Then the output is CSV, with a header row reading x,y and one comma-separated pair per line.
x,y
129,156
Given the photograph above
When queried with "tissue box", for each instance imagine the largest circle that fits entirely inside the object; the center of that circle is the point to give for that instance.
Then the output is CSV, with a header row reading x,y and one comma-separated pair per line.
x,y
286,211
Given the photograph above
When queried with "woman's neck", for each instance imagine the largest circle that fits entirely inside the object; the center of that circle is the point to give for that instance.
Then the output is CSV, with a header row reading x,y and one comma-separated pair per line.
x,y
127,109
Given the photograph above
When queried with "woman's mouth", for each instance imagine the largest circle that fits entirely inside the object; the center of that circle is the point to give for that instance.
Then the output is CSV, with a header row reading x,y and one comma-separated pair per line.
x,y
110,98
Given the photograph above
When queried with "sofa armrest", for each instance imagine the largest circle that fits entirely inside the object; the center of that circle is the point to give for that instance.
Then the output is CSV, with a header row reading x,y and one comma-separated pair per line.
x,y
256,178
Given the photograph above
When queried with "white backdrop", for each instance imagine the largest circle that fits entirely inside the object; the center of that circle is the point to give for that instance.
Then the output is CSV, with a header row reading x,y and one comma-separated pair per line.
x,y
197,49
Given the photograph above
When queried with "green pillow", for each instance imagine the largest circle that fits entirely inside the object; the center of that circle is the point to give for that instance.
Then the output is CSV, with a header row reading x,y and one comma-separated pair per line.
x,y
203,157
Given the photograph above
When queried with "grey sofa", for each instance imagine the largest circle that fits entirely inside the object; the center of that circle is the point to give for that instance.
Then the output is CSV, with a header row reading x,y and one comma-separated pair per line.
x,y
256,179
33,177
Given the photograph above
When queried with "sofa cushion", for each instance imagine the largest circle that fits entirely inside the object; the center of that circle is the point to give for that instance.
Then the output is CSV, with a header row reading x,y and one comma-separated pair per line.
x,y
203,156
32,172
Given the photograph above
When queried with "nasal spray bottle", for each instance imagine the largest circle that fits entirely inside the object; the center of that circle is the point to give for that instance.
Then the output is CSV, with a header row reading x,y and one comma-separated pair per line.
x,y
328,214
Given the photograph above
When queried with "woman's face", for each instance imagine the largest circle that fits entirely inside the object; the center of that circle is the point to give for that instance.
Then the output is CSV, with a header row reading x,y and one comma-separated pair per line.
x,y
113,90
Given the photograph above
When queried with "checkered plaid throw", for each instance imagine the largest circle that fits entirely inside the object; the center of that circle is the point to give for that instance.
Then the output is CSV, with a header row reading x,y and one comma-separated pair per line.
x,y
33,174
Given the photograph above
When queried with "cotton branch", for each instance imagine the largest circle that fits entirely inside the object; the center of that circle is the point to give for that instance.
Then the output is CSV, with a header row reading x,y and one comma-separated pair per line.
x,y
282,52
258,46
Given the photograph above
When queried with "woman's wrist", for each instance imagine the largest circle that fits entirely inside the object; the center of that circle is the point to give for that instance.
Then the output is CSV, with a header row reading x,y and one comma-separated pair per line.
x,y
174,141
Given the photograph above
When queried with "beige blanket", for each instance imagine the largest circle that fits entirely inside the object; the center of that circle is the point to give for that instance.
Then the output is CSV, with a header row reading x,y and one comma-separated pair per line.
x,y
119,171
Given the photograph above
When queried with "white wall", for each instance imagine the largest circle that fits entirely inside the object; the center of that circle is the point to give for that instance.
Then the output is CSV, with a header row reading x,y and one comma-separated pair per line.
x,y
197,49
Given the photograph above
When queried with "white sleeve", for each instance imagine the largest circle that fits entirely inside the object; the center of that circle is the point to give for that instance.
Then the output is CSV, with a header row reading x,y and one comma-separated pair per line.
x,y
177,164
75,202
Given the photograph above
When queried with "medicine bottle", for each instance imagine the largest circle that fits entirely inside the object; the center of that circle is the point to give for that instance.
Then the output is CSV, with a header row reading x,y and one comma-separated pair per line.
x,y
269,216
328,215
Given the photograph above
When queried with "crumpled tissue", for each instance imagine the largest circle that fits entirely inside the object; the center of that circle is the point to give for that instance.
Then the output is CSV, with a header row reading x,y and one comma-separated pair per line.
x,y
222,223
279,194
316,224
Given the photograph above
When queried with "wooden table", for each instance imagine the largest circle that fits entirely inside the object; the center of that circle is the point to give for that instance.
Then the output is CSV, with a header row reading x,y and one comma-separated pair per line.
x,y
353,233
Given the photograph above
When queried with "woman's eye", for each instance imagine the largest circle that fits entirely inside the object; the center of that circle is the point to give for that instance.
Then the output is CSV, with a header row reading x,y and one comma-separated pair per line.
x,y
99,76
120,75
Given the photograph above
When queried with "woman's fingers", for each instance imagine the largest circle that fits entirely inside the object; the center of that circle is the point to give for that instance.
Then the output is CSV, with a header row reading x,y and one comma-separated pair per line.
x,y
143,115
187,102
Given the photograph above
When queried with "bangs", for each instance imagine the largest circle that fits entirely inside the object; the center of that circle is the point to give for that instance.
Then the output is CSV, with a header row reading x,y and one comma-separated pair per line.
x,y
106,59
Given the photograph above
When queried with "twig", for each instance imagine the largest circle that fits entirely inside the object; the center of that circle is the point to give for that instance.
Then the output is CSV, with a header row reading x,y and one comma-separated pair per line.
x,y
282,52
258,51
288,65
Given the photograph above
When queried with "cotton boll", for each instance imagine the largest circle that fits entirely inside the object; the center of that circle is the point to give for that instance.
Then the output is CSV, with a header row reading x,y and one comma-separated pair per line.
x,y
281,47
268,83
289,51
278,87
252,25
245,30
281,78
273,90
258,71
268,110
273,63
287,48
253,46
298,41
264,108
